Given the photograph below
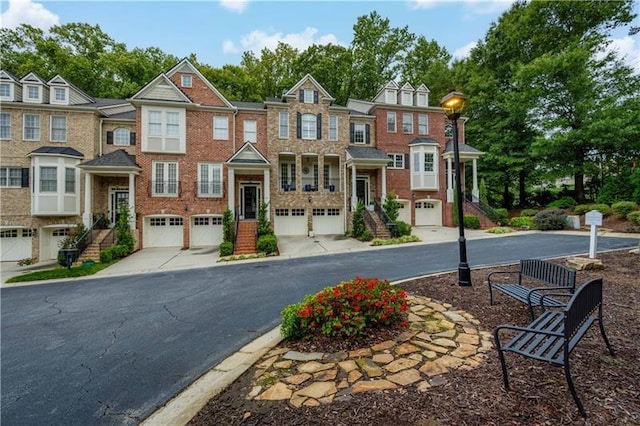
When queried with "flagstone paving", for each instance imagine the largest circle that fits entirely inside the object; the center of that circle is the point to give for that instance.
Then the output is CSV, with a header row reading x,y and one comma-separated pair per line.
x,y
439,338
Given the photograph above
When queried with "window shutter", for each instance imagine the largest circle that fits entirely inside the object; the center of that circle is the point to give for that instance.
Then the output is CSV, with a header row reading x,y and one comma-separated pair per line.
x,y
25,178
367,128
351,132
319,126
132,138
315,96
109,138
299,125
406,161
301,95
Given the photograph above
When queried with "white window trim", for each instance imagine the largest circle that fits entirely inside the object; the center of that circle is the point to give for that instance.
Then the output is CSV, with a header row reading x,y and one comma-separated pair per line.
x,y
6,114
394,159
410,123
211,168
426,125
186,80
283,124
7,172
24,127
417,169
312,131
121,130
333,128
225,128
25,91
10,96
181,136
364,133
390,96
58,202
395,121
51,128
165,192
308,96
52,95
406,98
253,134
422,99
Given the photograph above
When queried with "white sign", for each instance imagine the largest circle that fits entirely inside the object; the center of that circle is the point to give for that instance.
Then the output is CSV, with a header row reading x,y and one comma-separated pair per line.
x,y
594,217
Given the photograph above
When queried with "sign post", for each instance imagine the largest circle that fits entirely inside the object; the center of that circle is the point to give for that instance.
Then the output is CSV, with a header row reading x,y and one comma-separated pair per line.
x,y
593,218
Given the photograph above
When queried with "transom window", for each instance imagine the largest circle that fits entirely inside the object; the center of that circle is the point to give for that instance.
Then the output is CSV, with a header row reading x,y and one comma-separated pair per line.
x,y
58,128
397,161
9,233
391,121
333,127
175,221
62,232
283,125
333,212
282,212
407,123
201,221
221,127
210,180
186,80
121,136
32,127
250,131
10,177
318,212
157,221
423,124
5,125
309,126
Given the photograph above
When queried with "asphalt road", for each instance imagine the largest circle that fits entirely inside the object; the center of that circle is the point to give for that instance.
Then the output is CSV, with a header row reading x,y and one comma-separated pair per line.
x,y
112,350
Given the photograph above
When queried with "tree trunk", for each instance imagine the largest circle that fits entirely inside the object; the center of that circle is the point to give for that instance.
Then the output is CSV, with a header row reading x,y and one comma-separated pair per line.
x,y
522,190
579,187
506,194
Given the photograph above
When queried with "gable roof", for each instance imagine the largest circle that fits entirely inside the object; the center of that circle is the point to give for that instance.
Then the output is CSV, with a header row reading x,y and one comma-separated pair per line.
x,y
407,86
367,153
423,141
186,66
423,88
6,75
58,80
32,78
294,90
248,154
116,159
462,148
161,88
390,85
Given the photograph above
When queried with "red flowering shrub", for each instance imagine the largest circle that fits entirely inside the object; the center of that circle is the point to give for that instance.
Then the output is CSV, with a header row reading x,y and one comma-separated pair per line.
x,y
345,310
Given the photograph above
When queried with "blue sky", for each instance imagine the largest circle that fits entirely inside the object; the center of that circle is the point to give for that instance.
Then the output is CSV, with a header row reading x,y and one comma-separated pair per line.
x,y
218,31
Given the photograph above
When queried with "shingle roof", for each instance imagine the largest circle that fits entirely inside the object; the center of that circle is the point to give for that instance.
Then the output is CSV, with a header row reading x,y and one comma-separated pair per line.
x,y
59,150
417,141
462,147
251,105
118,158
366,153
127,115
277,100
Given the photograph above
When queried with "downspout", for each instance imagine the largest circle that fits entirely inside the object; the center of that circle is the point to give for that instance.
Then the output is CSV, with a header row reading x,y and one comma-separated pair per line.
x,y
234,129
100,139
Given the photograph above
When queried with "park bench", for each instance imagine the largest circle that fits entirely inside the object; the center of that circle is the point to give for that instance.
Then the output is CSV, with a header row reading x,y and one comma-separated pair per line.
x,y
552,336
553,275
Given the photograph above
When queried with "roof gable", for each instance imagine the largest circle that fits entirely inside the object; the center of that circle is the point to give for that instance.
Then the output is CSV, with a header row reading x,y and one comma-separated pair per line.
x,y
380,96
77,95
161,88
185,66
407,86
32,78
423,88
7,76
309,78
248,154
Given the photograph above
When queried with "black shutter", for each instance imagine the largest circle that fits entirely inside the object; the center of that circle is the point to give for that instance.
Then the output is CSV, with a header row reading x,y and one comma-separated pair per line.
x,y
301,95
299,125
319,126
315,96
352,131
132,138
25,178
406,161
109,138
367,128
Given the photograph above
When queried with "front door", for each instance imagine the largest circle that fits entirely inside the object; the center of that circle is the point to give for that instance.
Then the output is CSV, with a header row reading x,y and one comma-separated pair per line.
x,y
118,198
362,190
250,197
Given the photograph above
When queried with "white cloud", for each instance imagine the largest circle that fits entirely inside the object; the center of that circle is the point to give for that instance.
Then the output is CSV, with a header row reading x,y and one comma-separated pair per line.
x,y
235,5
472,7
28,12
257,40
464,51
628,50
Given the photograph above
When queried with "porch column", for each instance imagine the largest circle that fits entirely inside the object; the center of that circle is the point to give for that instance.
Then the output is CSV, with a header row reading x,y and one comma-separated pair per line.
x,y
384,184
266,190
449,181
87,216
231,188
354,197
132,201
475,192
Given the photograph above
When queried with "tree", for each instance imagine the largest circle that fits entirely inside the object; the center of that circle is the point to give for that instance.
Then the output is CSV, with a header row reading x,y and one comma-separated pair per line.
x,y
428,63
391,207
274,70
330,65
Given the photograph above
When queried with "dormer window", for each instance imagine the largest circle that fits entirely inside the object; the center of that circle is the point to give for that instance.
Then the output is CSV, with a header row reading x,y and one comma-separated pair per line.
x,y
59,95
5,91
390,96
186,80
33,94
407,98
422,99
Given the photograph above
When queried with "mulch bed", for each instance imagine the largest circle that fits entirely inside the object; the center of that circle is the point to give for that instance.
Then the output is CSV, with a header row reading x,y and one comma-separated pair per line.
x,y
609,387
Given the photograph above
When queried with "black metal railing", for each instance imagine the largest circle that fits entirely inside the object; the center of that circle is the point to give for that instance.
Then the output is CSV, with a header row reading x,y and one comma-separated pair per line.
x,y
236,225
370,222
391,226
86,238
288,187
109,239
484,208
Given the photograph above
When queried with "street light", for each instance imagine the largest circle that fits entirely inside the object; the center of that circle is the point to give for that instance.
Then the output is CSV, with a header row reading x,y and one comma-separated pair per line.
x,y
452,104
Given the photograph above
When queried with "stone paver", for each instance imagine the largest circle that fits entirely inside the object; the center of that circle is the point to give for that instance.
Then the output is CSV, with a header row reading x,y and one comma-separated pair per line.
x,y
440,338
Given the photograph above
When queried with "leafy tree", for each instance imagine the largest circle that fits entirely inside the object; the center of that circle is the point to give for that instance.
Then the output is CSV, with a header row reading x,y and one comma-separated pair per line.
x,y
274,70
228,227
358,228
428,63
264,227
234,82
331,66
391,207
123,230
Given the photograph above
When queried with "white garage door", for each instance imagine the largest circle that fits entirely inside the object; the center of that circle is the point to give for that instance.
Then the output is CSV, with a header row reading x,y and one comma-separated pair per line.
x,y
206,231
16,244
428,213
404,211
163,232
290,222
327,221
56,238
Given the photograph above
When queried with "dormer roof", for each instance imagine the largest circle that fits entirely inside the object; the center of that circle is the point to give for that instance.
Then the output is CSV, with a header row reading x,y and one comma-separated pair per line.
x,y
32,78
294,90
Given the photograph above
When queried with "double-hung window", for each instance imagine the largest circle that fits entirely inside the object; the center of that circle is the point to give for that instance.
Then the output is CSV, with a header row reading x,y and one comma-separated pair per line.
x,y
31,127
333,127
221,127
359,131
155,123
58,128
164,130
250,131
48,179
210,180
283,127
397,161
407,123
33,93
185,80
287,176
69,180
309,126
391,121
5,125
5,91
165,179
308,96
422,99
424,168
423,124
121,136
10,177
173,124
59,94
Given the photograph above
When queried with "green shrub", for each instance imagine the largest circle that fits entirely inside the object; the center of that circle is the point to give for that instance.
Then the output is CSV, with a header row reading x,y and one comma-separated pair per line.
x,y
399,240
562,203
602,208
345,310
471,221
623,208
634,217
391,206
581,209
357,221
124,236
499,230
528,212
114,252
402,228
522,222
226,248
228,227
267,244
106,256
550,219
366,236
501,215
264,226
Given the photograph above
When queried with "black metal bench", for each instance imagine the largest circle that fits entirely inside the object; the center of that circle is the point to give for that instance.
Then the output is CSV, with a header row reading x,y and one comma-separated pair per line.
x,y
553,335
554,275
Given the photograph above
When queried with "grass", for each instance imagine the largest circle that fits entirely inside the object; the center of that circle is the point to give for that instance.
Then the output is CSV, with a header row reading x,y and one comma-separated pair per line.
x,y
401,240
59,272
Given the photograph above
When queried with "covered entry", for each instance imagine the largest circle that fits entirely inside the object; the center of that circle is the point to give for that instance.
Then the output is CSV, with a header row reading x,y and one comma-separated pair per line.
x,y
428,213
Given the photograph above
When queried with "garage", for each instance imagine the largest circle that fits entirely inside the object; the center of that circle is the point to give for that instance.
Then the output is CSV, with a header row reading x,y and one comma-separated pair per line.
x,y
206,231
404,211
164,231
327,221
15,244
290,222
428,213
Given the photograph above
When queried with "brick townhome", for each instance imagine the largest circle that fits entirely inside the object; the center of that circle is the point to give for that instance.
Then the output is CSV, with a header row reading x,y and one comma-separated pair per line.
x,y
179,153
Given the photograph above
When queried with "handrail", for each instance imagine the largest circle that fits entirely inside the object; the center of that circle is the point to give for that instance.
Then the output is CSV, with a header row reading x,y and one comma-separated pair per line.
x,y
237,224
86,238
385,218
370,222
108,239
485,208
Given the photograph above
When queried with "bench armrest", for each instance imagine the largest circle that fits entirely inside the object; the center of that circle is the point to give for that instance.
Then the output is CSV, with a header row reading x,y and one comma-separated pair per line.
x,y
498,329
554,295
541,289
501,273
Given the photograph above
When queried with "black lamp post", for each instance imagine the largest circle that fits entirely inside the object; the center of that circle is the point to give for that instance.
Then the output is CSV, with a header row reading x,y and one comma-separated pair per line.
x,y
452,105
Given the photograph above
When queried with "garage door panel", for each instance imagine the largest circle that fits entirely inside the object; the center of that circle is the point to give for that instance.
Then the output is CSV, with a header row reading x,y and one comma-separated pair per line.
x,y
163,232
206,231
327,221
290,222
428,213
404,211
15,244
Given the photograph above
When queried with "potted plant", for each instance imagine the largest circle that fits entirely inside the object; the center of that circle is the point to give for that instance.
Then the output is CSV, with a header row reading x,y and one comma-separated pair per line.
x,y
332,188
310,229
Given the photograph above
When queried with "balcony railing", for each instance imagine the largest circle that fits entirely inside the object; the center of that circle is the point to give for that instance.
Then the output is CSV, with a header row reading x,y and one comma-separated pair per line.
x,y
164,188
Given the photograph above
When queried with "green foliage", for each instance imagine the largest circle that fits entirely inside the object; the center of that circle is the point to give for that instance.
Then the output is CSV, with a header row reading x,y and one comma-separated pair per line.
x,y
358,227
402,228
267,244
227,227
471,221
366,236
264,226
114,252
26,261
391,206
58,273
562,203
581,209
602,208
400,240
345,310
502,215
623,208
124,236
620,186
522,222
482,189
550,219
528,212
499,230
226,248
634,217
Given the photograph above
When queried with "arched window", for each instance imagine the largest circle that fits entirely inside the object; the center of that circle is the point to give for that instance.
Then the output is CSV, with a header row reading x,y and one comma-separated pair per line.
x,y
448,131
121,136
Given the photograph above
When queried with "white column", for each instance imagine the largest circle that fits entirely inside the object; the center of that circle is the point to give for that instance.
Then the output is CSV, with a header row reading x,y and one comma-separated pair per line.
x,y
132,201
231,188
354,197
267,186
475,192
87,216
449,181
384,184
